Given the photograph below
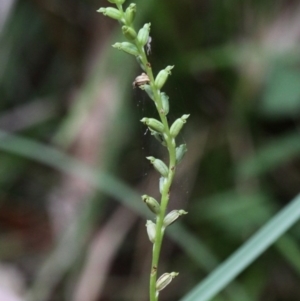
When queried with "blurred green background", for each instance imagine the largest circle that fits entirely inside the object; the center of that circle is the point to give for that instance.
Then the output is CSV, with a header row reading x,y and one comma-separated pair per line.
x,y
72,164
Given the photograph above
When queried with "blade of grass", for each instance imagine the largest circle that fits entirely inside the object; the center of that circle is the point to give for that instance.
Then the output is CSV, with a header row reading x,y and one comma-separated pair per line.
x,y
246,254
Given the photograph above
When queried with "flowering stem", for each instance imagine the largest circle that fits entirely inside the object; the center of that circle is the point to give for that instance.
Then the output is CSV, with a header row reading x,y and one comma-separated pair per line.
x,y
160,129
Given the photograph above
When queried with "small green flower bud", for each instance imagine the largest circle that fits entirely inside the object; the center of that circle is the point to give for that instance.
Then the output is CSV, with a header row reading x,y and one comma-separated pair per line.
x,y
127,47
130,13
178,124
164,280
143,34
152,203
151,230
159,165
159,137
165,102
110,12
139,60
172,216
162,181
162,77
180,152
153,124
116,1
148,90
129,32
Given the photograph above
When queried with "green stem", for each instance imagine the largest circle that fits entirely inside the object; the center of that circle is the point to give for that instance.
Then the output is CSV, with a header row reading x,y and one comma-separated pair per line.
x,y
165,195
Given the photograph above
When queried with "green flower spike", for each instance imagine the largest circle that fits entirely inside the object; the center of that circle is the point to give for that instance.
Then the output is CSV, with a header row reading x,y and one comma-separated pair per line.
x,y
138,44
159,165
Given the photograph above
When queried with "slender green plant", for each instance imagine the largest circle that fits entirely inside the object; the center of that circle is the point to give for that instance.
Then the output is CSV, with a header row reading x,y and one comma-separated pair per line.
x,y
138,44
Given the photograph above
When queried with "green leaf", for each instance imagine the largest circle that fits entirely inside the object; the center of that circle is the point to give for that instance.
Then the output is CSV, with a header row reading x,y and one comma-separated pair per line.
x,y
270,156
246,254
282,95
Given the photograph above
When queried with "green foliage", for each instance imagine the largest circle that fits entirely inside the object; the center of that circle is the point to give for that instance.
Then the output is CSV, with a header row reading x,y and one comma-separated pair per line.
x,y
282,95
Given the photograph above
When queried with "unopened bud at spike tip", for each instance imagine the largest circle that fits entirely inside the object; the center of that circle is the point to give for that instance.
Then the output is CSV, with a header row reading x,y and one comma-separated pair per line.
x,y
116,1
130,13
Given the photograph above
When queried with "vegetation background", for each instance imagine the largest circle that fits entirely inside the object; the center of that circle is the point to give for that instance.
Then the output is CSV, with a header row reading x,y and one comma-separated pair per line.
x,y
72,164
